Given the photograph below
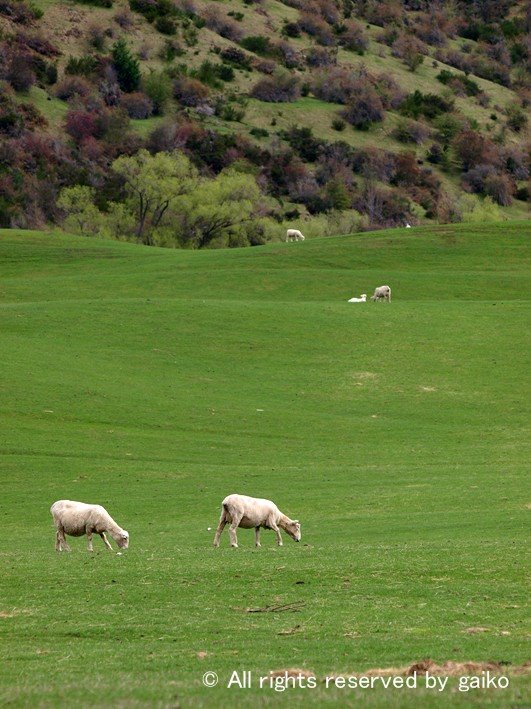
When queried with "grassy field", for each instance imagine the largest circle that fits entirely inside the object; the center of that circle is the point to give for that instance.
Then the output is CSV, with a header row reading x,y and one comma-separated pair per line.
x,y
155,382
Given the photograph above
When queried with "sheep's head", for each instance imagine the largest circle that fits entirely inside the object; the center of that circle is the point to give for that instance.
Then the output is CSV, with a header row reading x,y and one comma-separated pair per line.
x,y
364,296
123,539
293,528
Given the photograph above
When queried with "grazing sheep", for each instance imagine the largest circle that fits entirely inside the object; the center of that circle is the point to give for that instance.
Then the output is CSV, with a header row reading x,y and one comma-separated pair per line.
x,y
77,519
294,235
361,299
382,293
408,226
248,512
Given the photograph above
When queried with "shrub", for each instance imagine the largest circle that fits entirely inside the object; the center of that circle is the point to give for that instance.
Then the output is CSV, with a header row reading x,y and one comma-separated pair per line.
x,y
408,131
320,56
257,44
96,3
166,25
235,56
96,37
449,78
80,125
278,89
354,38
170,50
259,132
338,124
303,142
20,73
428,105
189,92
124,18
158,87
72,86
218,22
137,105
81,66
516,119
364,109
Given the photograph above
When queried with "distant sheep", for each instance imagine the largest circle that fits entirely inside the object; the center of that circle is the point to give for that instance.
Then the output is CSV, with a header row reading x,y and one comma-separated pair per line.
x,y
248,512
294,235
382,293
408,226
361,299
77,519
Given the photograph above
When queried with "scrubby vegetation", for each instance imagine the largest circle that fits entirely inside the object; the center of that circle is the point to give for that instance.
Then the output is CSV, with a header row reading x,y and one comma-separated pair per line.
x,y
379,111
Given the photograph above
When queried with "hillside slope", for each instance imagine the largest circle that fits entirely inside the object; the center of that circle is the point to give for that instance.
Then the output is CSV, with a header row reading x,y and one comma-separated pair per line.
x,y
397,111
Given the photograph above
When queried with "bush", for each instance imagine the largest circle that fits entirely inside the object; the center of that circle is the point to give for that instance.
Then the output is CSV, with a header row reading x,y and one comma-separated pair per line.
x,y
158,87
218,22
170,50
278,89
165,25
257,44
408,131
338,124
73,86
137,105
428,105
354,39
20,73
80,125
320,56
449,78
96,3
189,92
235,56
259,132
364,109
81,66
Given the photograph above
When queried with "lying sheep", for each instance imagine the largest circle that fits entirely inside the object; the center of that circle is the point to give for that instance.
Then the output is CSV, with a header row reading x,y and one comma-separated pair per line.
x,y
294,235
77,519
382,293
247,512
361,299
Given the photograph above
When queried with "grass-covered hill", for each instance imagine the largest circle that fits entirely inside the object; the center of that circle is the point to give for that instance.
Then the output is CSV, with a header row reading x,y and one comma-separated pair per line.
x,y
157,381
347,115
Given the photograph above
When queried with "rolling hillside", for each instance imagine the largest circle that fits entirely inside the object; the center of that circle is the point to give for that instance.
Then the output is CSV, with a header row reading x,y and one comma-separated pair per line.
x,y
383,112
157,381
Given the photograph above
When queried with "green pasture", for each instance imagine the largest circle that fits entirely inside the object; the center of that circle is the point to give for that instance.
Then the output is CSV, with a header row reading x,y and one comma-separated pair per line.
x,y
155,382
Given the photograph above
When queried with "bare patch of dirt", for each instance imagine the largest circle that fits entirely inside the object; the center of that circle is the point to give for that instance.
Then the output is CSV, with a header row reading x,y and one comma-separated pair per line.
x,y
477,629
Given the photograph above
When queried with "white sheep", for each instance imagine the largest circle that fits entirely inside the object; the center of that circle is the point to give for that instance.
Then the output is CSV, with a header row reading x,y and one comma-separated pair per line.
x,y
382,293
248,512
408,225
77,519
294,235
361,299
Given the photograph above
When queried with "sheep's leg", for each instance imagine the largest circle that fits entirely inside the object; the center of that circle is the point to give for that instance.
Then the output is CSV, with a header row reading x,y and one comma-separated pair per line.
x,y
106,541
57,541
221,527
275,529
257,536
232,530
63,544
89,540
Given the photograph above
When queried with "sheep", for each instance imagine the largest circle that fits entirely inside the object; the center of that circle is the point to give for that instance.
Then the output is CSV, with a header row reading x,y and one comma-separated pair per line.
x,y
247,512
382,293
361,299
408,225
294,235
77,519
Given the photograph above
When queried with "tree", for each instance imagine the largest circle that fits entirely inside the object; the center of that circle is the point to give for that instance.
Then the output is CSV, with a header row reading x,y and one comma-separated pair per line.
x,y
78,203
152,183
217,208
126,66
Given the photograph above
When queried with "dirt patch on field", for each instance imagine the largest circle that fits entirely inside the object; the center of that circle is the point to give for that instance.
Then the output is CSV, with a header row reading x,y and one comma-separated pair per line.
x,y
448,668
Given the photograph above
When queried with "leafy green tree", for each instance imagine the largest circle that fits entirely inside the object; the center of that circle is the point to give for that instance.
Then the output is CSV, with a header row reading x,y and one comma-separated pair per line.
x,y
158,87
82,216
218,209
126,66
152,183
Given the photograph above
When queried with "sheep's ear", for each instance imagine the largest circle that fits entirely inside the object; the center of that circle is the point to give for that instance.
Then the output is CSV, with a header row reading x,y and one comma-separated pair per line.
x,y
296,521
